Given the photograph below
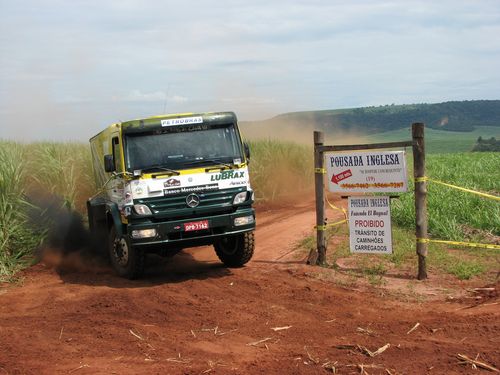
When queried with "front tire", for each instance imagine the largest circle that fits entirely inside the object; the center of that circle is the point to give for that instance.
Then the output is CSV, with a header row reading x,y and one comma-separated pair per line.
x,y
127,260
235,251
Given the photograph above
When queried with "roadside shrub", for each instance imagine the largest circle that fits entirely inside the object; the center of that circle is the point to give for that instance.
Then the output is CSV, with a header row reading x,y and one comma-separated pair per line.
x,y
17,240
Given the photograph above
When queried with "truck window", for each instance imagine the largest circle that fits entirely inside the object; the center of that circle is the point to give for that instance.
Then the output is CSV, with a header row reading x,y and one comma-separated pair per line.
x,y
117,153
180,147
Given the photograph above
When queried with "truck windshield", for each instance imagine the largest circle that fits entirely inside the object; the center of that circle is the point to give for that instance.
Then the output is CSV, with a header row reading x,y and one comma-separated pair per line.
x,y
183,147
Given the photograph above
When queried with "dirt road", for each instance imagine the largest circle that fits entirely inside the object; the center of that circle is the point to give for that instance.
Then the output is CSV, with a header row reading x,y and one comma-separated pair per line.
x,y
190,315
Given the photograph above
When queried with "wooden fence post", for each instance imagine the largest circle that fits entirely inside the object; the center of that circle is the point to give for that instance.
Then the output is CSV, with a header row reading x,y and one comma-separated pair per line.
x,y
420,197
318,256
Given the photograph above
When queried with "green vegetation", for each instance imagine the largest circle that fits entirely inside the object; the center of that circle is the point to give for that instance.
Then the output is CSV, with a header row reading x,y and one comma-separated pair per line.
x,y
487,145
16,239
63,169
453,213
280,170
32,173
440,141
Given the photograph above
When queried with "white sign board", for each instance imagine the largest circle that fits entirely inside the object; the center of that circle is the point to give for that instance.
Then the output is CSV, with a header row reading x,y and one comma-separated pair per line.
x,y
367,172
370,225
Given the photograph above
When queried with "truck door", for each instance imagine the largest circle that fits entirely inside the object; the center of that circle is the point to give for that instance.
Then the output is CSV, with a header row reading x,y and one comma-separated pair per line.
x,y
116,186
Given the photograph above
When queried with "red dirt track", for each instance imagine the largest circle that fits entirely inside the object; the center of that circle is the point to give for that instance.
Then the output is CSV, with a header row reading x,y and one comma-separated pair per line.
x,y
190,315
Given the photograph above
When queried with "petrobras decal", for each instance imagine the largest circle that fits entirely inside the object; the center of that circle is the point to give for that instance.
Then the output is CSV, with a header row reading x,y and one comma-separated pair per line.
x,y
190,183
182,121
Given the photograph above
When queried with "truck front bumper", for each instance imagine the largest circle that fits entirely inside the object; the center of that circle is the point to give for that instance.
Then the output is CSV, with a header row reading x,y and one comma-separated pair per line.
x,y
174,232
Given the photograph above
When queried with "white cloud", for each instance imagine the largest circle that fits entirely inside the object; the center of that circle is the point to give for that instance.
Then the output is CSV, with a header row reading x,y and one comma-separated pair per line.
x,y
156,96
138,96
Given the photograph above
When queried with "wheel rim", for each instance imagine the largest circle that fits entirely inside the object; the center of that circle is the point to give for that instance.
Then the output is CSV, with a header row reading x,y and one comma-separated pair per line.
x,y
121,252
229,245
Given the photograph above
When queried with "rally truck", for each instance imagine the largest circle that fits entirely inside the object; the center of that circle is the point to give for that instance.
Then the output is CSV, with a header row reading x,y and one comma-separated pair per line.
x,y
171,182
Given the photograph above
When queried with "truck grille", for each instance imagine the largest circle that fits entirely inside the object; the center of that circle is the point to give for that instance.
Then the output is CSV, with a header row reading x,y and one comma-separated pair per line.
x,y
175,207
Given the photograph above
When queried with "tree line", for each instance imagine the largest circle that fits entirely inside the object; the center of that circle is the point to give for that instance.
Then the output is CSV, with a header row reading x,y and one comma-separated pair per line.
x,y
461,116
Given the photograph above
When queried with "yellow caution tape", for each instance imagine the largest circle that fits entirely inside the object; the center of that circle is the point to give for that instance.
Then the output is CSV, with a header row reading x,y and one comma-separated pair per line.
x,y
325,227
467,244
489,196
421,179
320,170
335,207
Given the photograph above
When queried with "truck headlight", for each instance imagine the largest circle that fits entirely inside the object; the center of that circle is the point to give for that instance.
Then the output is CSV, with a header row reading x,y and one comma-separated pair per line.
x,y
142,209
244,220
143,233
240,197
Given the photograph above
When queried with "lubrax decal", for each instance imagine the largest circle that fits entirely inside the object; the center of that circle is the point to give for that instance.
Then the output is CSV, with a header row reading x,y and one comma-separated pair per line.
x,y
228,175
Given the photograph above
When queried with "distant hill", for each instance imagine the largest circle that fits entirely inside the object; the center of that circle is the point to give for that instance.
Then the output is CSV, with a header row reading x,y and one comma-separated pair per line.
x,y
462,116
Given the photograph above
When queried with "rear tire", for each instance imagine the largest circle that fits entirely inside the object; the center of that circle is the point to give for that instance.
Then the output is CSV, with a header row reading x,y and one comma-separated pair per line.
x,y
235,251
127,260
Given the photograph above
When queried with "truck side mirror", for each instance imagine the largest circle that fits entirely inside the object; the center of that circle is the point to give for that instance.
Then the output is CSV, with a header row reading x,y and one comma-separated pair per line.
x,y
247,151
109,163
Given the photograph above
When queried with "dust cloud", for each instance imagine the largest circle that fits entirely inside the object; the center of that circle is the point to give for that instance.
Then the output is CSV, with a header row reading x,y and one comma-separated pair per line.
x,y
68,244
298,132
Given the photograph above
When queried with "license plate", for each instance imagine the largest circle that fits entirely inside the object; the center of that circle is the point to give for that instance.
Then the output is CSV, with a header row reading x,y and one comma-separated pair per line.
x,y
196,225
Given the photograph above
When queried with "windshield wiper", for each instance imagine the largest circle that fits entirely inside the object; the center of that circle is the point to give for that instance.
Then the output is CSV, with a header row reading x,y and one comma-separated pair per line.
x,y
161,168
218,164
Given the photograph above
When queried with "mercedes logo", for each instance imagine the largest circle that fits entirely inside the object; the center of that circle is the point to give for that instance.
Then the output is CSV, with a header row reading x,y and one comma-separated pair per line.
x,y
192,200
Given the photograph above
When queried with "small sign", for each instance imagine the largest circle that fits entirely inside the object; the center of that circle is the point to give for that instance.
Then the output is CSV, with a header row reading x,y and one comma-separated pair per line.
x,y
367,172
370,225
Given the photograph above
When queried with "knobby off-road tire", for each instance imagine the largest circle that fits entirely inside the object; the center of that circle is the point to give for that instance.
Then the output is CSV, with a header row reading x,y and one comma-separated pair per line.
x,y
127,261
235,251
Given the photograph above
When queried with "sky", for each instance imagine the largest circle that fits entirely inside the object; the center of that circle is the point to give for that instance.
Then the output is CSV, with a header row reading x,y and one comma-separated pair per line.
x,y
69,68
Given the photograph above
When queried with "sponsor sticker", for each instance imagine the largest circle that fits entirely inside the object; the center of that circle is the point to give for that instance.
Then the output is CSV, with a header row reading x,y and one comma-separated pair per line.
x,y
191,189
182,121
228,175
172,182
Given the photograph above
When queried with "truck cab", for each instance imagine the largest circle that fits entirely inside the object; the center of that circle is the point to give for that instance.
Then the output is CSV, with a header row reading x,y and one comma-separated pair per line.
x,y
171,182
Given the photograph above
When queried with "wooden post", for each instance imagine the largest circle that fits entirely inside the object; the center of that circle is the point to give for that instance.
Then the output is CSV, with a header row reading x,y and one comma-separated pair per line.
x,y
420,197
318,256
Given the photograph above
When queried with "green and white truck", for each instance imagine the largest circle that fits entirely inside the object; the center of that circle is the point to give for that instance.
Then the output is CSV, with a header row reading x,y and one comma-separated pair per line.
x,y
171,182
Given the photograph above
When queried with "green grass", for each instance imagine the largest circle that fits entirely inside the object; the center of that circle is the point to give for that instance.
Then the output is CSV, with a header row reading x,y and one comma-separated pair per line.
x,y
440,141
62,169
464,270
453,213
33,173
17,240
